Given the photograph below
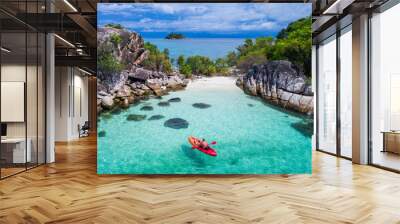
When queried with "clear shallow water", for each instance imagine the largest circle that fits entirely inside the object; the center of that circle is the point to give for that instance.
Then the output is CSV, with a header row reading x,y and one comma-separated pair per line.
x,y
258,139
210,47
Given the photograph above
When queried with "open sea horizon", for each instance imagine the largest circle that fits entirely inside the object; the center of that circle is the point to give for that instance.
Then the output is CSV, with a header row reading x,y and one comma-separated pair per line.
x,y
213,48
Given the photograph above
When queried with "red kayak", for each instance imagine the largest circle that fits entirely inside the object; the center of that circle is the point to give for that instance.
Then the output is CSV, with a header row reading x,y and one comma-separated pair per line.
x,y
195,142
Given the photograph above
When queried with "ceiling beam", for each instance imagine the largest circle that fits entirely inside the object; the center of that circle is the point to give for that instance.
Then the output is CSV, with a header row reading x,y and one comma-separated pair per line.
x,y
89,30
79,61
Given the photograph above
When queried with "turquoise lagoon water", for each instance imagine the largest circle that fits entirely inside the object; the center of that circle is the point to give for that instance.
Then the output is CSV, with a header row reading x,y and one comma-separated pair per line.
x,y
252,137
210,47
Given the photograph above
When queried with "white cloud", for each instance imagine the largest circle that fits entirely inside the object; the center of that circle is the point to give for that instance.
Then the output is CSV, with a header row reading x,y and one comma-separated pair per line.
x,y
174,8
205,17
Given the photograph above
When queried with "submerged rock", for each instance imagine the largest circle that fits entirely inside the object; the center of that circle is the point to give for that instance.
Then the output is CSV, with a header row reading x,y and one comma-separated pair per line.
x,y
135,103
156,117
135,117
147,108
102,134
176,99
250,105
116,111
176,123
163,104
145,98
305,127
106,116
201,105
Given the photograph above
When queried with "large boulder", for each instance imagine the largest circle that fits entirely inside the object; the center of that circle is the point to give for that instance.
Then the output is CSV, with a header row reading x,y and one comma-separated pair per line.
x,y
111,82
107,102
234,71
185,82
140,74
139,92
156,86
125,103
175,83
101,87
124,91
279,82
129,51
131,99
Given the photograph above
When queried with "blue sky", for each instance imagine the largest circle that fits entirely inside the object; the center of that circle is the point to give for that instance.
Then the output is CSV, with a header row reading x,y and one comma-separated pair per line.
x,y
203,19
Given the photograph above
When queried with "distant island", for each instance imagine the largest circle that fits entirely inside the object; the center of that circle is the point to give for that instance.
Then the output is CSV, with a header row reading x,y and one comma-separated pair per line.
x,y
175,36
115,26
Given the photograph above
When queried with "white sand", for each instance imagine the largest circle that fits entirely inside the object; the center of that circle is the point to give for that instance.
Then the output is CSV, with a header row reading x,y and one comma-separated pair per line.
x,y
217,82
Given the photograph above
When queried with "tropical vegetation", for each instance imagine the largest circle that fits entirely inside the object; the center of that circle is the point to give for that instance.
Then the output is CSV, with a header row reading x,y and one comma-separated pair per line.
x,y
116,39
106,61
157,60
200,65
292,43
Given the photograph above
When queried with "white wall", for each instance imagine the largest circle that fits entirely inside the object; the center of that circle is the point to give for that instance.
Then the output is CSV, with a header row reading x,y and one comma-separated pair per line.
x,y
71,102
62,82
81,104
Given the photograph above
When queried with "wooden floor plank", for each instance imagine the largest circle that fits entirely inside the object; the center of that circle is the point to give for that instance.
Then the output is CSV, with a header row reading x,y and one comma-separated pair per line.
x,y
70,191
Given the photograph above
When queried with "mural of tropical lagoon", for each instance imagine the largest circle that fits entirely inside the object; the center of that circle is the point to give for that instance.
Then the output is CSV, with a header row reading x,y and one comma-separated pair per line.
x,y
254,112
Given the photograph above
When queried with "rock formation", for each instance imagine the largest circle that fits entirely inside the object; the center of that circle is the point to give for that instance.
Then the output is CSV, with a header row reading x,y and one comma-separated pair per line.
x,y
281,83
134,82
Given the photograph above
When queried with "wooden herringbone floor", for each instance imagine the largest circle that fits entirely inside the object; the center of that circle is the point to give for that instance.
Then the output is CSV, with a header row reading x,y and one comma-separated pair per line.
x,y
70,191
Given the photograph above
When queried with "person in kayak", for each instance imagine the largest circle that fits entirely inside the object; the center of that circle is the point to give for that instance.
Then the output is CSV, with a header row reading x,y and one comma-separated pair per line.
x,y
204,144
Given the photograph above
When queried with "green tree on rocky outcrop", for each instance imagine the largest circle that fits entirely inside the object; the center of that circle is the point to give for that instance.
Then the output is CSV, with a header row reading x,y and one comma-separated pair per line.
x,y
247,61
181,60
231,58
186,70
292,43
116,39
157,60
166,53
106,62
